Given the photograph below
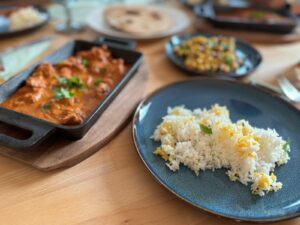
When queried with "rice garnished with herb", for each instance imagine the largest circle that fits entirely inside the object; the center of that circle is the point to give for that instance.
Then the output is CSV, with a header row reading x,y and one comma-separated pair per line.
x,y
207,139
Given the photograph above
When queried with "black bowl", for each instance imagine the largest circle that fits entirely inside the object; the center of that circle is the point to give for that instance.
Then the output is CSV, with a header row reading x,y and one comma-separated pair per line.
x,y
250,56
209,11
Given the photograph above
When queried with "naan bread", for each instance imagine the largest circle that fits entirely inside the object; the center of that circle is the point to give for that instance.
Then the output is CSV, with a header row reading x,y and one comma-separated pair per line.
x,y
137,19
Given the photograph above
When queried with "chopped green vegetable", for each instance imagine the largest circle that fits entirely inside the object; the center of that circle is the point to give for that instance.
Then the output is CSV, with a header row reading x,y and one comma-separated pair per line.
x,y
75,82
62,80
66,93
257,15
85,62
205,129
225,47
46,107
183,49
286,146
66,86
57,94
227,59
211,43
97,82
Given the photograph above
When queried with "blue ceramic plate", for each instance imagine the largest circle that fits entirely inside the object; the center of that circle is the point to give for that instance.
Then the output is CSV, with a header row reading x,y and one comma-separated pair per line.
x,y
212,191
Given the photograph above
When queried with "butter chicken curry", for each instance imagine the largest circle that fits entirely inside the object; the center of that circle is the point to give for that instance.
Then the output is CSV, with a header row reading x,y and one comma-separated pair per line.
x,y
68,92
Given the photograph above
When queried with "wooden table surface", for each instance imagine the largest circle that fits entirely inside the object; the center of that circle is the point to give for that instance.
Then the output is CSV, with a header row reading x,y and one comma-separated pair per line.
x,y
113,186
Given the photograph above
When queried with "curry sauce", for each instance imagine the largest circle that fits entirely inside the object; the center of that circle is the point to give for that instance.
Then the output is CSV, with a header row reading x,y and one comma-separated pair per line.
x,y
68,92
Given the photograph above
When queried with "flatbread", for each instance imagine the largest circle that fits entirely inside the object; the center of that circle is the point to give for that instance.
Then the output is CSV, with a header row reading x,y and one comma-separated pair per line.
x,y
141,20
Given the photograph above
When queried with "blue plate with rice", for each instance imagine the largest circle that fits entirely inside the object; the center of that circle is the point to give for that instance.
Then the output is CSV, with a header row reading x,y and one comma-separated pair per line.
x,y
213,191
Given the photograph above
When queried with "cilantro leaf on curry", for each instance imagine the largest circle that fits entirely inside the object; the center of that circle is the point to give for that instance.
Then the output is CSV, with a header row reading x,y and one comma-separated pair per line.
x,y
97,83
62,93
73,82
85,62
66,87
46,107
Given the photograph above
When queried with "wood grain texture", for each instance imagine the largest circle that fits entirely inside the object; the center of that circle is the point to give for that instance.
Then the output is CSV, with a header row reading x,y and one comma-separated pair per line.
x,y
252,36
113,187
58,152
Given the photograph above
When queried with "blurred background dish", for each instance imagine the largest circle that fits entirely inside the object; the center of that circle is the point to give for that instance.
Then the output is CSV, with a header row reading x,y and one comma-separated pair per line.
x,y
233,3
179,21
17,20
25,17
221,56
191,3
139,20
257,18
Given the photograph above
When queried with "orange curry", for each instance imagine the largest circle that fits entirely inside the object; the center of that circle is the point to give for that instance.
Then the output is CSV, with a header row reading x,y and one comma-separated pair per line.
x,y
68,92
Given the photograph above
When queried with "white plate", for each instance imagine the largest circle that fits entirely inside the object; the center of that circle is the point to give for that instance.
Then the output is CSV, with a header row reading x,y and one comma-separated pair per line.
x,y
180,22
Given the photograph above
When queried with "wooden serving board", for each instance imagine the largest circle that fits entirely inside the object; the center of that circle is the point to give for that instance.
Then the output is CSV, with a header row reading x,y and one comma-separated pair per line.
x,y
57,152
251,36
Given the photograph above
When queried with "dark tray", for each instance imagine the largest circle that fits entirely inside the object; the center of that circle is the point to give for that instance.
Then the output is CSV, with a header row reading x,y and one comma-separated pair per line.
x,y
42,129
251,57
208,11
188,4
4,23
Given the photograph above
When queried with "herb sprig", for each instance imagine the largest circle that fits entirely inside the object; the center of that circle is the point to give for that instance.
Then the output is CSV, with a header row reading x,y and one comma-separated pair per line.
x,y
85,62
46,107
286,146
66,89
62,93
97,83
227,59
73,82
205,129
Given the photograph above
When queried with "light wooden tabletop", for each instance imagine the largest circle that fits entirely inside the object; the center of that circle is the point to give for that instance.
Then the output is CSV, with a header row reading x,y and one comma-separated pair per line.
x,y
113,186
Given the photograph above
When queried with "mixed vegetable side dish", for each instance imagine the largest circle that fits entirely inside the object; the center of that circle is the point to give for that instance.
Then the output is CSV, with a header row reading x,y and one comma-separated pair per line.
x,y
209,54
68,92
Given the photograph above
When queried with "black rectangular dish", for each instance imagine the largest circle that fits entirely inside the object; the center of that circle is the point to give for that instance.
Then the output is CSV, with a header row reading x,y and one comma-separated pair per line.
x,y
210,12
42,129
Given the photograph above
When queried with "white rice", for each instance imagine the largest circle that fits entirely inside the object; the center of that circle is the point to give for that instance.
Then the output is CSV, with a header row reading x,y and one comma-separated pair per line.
x,y
25,17
207,139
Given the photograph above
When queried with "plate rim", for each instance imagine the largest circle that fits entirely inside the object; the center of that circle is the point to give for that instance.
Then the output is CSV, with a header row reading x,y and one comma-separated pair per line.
x,y
165,185
198,73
